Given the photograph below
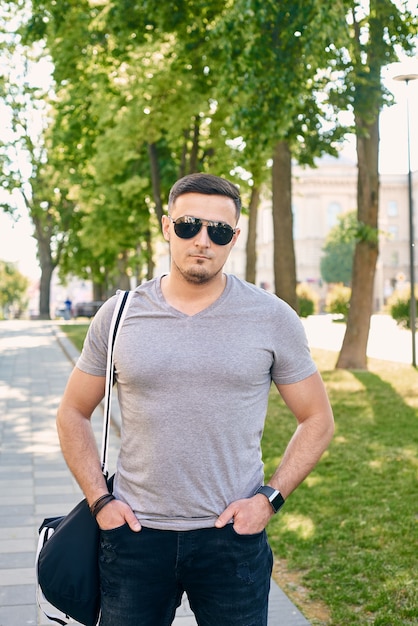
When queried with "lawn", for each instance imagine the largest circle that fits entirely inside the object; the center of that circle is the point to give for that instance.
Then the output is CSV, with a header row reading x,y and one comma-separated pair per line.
x,y
346,542
76,332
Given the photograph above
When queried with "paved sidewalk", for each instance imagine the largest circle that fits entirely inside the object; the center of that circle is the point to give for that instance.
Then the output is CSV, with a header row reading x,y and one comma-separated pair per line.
x,y
34,480
387,341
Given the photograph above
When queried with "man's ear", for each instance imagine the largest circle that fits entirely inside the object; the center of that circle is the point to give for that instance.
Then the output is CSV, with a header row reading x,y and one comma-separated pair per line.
x,y
165,227
234,240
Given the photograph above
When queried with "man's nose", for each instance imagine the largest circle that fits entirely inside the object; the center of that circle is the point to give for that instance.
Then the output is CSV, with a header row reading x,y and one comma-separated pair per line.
x,y
202,238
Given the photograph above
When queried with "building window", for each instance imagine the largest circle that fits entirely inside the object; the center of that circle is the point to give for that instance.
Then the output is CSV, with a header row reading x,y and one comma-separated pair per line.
x,y
392,208
393,232
334,210
394,258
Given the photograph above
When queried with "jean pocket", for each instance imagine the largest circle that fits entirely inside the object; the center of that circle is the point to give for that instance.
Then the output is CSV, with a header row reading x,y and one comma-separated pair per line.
x,y
112,532
247,536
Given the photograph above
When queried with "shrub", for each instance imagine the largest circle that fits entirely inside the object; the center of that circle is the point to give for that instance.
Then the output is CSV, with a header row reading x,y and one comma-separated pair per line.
x,y
338,300
307,300
399,305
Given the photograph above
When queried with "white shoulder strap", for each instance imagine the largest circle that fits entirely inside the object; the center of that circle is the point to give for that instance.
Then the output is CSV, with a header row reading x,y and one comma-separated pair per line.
x,y
115,325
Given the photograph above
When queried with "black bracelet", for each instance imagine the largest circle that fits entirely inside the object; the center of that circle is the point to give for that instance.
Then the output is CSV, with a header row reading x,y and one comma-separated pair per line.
x,y
101,502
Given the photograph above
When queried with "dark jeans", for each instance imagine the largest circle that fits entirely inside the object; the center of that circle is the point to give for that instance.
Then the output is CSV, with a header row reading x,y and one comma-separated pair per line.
x,y
143,575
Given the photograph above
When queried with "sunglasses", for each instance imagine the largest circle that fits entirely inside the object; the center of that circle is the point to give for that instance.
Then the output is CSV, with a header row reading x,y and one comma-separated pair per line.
x,y
187,227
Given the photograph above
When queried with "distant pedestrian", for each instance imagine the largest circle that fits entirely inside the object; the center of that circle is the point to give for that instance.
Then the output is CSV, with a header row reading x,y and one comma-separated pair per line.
x,y
194,363
68,310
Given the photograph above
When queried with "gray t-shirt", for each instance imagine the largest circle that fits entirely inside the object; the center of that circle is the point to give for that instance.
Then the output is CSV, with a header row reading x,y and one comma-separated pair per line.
x,y
193,392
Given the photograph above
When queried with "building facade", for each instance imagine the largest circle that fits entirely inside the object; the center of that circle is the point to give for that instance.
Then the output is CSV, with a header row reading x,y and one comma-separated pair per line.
x,y
319,196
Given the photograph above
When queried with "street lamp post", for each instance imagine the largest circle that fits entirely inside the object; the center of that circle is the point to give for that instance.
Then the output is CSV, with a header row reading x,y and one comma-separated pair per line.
x,y
406,78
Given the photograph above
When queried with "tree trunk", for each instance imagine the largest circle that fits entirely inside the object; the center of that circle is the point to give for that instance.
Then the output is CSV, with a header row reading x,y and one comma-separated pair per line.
x,y
284,252
45,291
155,179
99,292
183,157
251,247
47,267
150,257
193,161
353,353
123,280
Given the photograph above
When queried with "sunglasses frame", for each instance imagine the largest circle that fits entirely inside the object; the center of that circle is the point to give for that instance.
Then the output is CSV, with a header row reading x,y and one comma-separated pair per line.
x,y
210,225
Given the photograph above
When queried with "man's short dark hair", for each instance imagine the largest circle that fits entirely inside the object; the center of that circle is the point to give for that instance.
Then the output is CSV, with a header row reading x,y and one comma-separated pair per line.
x,y
207,184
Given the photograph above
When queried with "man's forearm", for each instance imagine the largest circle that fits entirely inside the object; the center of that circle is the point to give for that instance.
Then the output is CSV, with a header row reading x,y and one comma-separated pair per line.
x,y
79,448
303,452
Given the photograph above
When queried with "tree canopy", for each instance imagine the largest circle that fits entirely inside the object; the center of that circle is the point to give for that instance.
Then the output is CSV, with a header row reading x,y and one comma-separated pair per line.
x,y
143,93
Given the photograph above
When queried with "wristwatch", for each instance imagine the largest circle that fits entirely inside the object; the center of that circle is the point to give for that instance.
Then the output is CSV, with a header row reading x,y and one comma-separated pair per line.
x,y
273,496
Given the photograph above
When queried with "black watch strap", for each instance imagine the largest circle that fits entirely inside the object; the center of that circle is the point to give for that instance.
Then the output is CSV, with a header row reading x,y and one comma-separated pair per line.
x,y
273,496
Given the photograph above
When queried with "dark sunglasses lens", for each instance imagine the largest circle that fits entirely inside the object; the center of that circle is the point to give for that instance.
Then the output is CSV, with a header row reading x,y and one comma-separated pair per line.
x,y
187,230
221,234
188,227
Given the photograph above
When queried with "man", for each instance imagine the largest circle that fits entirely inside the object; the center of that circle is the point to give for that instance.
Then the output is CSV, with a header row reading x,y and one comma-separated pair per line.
x,y
194,363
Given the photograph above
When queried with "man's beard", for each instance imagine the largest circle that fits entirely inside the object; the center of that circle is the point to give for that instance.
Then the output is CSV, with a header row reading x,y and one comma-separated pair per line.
x,y
195,276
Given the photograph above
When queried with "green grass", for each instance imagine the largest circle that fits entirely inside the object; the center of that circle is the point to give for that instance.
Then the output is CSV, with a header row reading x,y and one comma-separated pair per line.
x,y
349,533
76,332
346,542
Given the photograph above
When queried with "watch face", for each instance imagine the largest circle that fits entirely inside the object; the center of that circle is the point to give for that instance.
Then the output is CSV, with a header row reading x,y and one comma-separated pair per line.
x,y
277,501
275,497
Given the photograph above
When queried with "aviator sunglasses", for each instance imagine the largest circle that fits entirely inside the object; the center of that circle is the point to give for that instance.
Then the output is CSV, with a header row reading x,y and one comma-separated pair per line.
x,y
187,227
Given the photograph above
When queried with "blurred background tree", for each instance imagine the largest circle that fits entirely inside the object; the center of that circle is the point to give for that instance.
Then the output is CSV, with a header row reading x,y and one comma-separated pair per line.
x,y
13,288
337,263
142,93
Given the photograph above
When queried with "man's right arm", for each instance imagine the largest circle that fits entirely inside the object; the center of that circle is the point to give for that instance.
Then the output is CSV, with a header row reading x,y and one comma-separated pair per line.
x,y
81,396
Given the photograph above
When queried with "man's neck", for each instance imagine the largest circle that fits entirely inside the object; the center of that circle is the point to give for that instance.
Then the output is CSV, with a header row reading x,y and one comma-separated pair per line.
x,y
190,298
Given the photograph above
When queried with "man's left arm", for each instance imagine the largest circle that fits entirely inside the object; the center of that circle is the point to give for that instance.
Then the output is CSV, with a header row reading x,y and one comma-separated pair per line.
x,y
309,403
